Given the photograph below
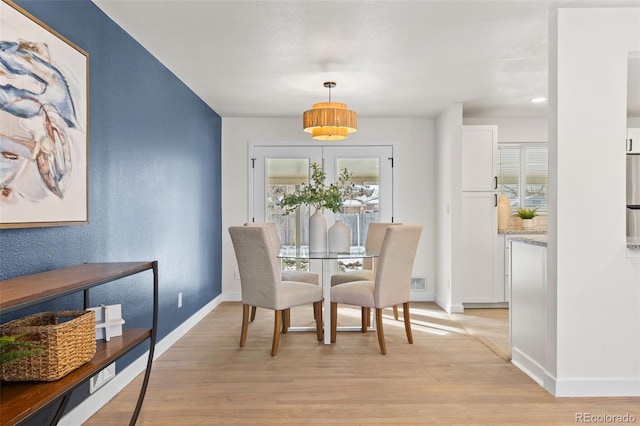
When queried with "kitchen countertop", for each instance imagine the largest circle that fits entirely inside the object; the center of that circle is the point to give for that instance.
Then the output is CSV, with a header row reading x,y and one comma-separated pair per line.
x,y
521,231
533,240
632,243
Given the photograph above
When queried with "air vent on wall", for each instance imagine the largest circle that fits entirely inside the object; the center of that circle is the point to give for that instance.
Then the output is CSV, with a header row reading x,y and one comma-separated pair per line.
x,y
418,283
100,379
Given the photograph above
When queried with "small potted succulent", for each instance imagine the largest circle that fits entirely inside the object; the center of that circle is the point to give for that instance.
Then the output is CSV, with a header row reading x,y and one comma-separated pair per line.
x,y
527,216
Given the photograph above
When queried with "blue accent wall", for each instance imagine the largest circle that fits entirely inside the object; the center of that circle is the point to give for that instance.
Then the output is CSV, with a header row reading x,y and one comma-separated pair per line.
x,y
154,179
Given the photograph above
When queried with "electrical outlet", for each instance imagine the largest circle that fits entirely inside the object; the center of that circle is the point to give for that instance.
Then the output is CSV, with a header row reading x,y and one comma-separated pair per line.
x,y
179,300
100,379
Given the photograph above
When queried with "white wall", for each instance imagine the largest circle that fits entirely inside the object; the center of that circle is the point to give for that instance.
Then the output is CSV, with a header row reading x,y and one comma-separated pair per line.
x,y
551,323
448,141
597,284
414,178
516,130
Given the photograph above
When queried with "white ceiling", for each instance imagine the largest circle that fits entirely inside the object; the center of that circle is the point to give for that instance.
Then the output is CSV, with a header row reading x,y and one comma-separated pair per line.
x,y
389,58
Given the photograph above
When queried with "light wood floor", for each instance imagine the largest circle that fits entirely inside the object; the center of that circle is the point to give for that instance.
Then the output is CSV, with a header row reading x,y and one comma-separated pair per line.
x,y
447,377
490,326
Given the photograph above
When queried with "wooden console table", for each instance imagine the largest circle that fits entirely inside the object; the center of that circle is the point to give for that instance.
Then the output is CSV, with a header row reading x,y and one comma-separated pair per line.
x,y
21,400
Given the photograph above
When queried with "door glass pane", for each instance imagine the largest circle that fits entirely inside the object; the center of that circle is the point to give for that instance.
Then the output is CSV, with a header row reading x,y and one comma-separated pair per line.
x,y
509,174
284,176
536,182
362,206
279,170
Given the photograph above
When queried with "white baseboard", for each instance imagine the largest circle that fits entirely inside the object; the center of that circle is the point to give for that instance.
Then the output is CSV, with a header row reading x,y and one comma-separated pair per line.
x,y
447,307
500,305
456,309
549,383
96,401
438,301
530,367
592,387
597,387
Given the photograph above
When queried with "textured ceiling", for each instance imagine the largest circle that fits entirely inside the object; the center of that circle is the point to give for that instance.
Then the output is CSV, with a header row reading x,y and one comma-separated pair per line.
x,y
389,58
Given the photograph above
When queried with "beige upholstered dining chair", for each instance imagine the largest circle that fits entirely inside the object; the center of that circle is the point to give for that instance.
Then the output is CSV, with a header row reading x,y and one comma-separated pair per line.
x,y
261,283
302,276
373,242
391,286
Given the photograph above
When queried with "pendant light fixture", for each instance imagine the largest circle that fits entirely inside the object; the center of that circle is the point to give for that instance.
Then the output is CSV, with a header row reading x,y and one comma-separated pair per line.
x,y
329,121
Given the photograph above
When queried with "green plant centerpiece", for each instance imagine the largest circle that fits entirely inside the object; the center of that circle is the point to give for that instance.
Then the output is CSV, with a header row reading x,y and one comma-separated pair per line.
x,y
318,194
15,347
527,213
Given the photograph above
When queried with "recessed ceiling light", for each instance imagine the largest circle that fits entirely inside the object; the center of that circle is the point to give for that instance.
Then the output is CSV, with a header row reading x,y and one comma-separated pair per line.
x,y
538,100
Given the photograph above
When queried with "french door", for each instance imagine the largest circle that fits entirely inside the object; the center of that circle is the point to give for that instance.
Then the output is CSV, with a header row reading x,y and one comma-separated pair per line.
x,y
277,171
280,169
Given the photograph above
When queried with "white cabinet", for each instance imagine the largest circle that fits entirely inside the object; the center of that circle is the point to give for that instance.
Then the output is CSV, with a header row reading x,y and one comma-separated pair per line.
x,y
507,267
528,308
633,141
482,251
481,272
479,158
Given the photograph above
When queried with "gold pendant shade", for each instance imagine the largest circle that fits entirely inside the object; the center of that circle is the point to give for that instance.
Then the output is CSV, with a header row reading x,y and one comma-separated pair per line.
x,y
329,121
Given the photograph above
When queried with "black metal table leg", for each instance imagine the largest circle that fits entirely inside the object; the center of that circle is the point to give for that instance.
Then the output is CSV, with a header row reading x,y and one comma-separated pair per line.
x,y
61,408
152,346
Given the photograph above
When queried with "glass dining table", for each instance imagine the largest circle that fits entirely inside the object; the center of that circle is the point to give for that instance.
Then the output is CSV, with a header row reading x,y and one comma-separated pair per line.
x,y
329,261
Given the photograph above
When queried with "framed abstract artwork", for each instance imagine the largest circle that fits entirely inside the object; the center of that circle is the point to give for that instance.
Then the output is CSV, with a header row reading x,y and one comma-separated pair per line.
x,y
44,146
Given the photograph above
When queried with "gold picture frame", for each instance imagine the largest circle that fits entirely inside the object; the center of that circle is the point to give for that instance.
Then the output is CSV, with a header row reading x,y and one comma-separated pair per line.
x,y
44,124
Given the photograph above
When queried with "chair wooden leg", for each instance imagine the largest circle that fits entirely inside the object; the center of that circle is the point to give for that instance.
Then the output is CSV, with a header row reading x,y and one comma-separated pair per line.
x,y
334,321
245,324
317,313
285,320
288,318
368,313
364,319
395,312
407,321
253,313
276,332
380,331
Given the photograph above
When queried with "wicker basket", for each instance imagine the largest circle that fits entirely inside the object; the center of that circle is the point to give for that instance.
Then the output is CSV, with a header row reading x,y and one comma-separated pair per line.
x,y
67,344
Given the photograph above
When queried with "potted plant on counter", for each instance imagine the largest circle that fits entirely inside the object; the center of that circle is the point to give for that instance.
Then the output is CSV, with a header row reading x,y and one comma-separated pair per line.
x,y
527,216
320,196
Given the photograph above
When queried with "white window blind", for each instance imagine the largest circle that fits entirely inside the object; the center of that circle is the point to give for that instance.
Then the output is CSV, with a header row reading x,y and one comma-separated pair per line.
x,y
523,175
